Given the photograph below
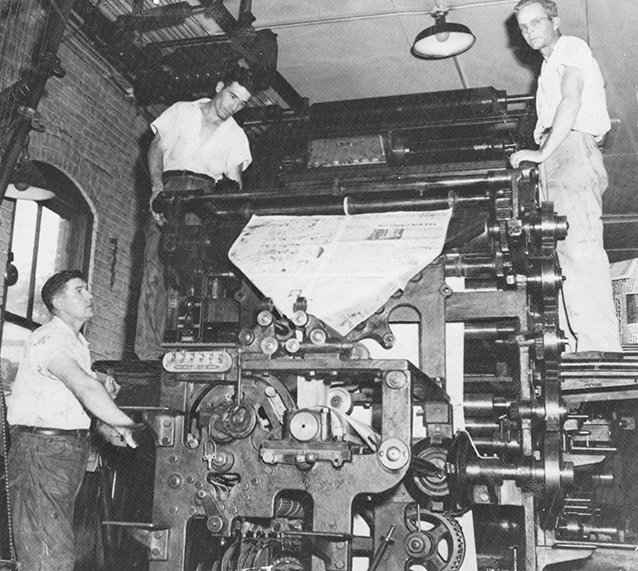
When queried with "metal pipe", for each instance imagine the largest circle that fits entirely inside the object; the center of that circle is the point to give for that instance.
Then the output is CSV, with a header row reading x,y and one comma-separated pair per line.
x,y
577,511
592,544
482,470
480,426
412,183
423,150
620,218
325,347
344,206
607,374
489,330
469,266
497,445
603,480
599,366
485,405
433,105
593,449
364,206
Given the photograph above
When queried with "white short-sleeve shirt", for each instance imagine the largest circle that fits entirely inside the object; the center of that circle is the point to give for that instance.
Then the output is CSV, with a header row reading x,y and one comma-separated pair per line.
x,y
593,118
39,398
187,146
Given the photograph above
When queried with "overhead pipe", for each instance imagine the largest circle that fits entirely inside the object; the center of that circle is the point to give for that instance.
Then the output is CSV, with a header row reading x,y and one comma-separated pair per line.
x,y
477,105
415,109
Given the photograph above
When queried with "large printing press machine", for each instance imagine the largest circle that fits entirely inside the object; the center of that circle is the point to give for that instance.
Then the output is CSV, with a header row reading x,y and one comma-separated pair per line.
x,y
282,441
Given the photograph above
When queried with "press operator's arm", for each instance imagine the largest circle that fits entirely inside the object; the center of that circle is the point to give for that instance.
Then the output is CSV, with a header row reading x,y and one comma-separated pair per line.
x,y
108,382
155,159
564,119
234,173
92,394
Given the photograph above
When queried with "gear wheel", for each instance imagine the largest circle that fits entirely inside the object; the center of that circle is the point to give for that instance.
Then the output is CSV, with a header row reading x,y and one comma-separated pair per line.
x,y
340,399
436,540
429,487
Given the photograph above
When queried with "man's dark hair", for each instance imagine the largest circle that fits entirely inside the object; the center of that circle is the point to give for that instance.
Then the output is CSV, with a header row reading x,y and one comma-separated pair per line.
x,y
241,75
56,284
550,7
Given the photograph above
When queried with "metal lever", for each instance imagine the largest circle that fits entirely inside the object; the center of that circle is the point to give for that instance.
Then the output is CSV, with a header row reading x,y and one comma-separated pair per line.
x,y
387,541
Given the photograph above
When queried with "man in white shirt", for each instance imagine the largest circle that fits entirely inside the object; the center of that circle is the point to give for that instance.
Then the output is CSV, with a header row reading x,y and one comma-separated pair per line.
x,y
197,144
572,118
201,138
48,411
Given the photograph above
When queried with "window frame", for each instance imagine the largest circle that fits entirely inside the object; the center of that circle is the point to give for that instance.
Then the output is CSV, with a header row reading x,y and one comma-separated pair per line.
x,y
70,205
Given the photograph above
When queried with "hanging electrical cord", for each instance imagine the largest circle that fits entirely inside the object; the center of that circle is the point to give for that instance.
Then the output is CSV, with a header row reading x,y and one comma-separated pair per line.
x,y
8,523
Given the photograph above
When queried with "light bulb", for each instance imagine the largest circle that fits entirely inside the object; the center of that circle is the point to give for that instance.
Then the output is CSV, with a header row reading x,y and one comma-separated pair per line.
x,y
442,36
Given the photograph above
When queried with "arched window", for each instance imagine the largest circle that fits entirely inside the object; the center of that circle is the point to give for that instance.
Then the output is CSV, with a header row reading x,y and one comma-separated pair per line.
x,y
46,237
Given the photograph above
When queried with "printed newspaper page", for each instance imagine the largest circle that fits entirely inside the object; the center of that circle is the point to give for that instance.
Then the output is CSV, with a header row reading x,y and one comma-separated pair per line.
x,y
346,267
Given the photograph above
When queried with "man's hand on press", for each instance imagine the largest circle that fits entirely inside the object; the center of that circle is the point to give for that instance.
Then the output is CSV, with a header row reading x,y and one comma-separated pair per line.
x,y
126,434
526,155
227,185
122,436
156,190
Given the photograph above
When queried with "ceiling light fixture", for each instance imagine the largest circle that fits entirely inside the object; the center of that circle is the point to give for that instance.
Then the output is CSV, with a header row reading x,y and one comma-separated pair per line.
x,y
28,183
444,39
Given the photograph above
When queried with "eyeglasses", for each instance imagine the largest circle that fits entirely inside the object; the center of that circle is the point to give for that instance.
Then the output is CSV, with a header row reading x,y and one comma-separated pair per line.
x,y
524,28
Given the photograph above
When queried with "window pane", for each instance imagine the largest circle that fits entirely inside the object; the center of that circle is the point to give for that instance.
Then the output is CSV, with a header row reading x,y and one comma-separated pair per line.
x,y
632,308
52,256
13,339
22,247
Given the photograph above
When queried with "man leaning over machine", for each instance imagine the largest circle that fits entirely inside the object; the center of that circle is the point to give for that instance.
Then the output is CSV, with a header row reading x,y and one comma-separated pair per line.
x,y
197,146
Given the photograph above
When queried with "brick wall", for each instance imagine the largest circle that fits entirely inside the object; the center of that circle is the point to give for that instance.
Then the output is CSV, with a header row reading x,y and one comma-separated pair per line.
x,y
93,134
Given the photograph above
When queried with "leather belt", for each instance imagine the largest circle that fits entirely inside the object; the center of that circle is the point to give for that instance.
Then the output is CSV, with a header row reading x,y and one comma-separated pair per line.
x,y
174,174
77,432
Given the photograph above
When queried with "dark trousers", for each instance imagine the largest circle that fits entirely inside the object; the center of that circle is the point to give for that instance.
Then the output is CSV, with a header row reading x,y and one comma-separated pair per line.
x,y
45,474
154,293
152,305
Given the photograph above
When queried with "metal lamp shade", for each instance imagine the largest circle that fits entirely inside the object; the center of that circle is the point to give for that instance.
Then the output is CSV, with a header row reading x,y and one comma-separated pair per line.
x,y
443,40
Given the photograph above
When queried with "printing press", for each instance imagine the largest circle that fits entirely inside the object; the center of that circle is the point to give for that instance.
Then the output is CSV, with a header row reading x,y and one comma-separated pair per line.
x,y
281,443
